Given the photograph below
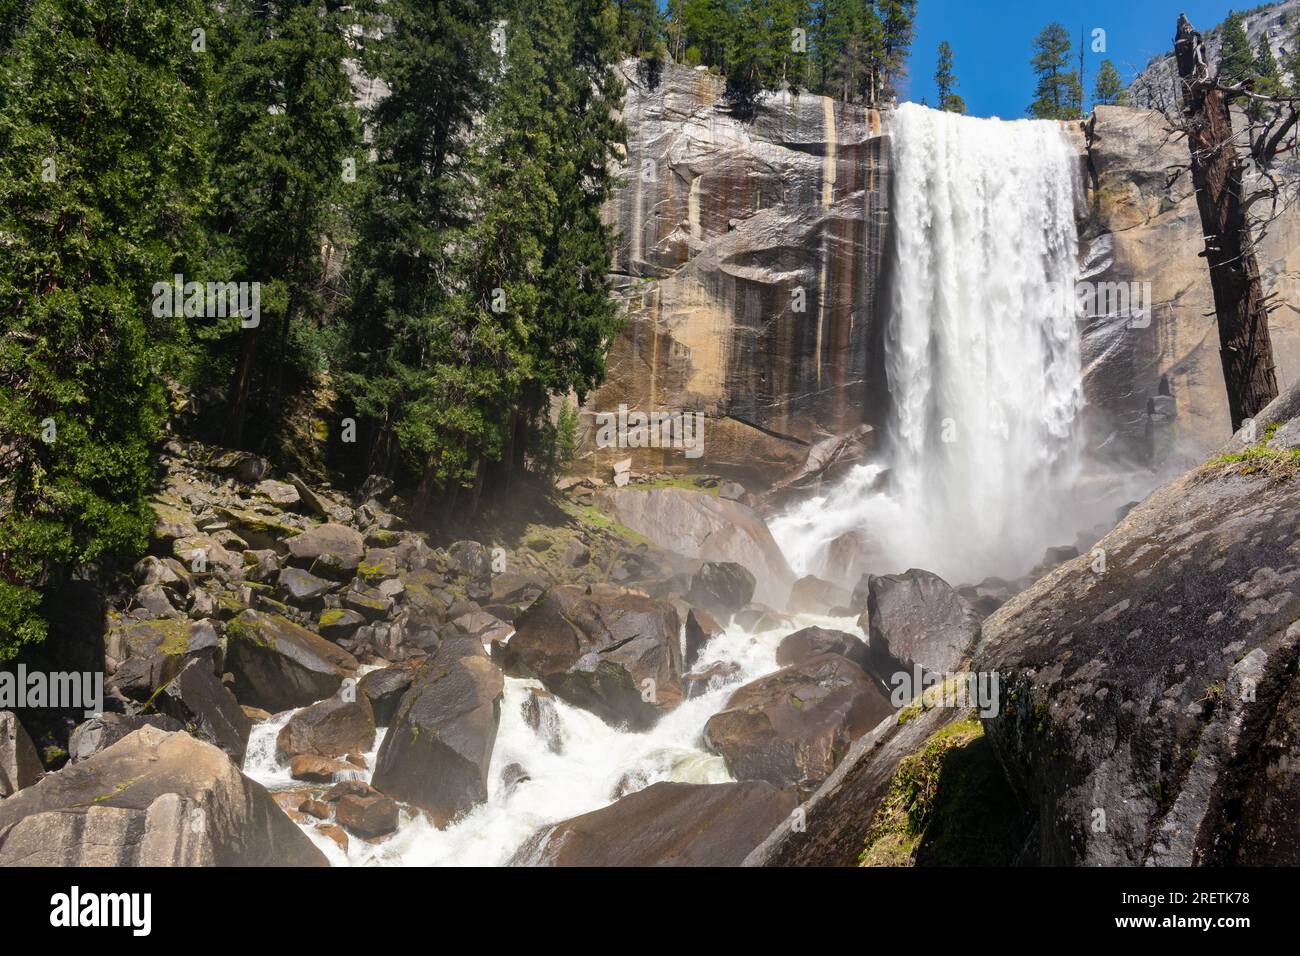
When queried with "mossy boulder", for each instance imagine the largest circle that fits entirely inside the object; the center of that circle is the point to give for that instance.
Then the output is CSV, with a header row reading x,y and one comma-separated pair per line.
x,y
278,665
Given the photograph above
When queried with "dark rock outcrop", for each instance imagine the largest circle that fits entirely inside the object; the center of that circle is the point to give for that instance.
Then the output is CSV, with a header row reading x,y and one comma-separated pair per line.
x,y
278,665
330,728
666,824
792,727
721,587
914,620
1148,708
700,629
206,708
437,751
611,651
812,641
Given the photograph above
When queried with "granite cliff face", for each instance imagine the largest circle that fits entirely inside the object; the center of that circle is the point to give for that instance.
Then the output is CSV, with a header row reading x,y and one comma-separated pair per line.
x,y
749,257
1155,387
728,227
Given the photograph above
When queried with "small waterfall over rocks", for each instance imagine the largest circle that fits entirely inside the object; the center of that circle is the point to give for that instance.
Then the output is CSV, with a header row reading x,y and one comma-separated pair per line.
x,y
982,359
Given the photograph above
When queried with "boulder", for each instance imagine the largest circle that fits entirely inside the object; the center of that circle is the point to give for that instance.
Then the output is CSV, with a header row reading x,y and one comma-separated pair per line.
x,y
721,587
369,816
436,753
20,764
330,728
699,683
151,799
144,655
206,708
539,713
666,824
700,629
792,727
331,550
473,562
279,493
698,525
1156,694
339,623
812,595
812,641
310,768
367,601
100,733
915,620
173,521
278,665
385,689
611,651
242,464
303,589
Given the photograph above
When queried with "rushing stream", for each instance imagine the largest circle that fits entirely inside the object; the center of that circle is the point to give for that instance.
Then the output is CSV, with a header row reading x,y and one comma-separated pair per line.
x,y
596,758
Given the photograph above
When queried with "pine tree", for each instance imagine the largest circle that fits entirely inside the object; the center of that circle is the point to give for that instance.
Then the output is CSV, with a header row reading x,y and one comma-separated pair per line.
x,y
1236,58
1291,63
1268,73
102,138
285,125
639,26
898,22
706,33
1059,93
1109,88
949,101
416,204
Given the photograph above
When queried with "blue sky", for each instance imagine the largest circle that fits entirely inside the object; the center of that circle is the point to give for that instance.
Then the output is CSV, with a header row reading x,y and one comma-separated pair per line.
x,y
992,39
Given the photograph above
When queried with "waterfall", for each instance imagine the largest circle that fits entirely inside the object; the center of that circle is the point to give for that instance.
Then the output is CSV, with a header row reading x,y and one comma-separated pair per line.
x,y
981,354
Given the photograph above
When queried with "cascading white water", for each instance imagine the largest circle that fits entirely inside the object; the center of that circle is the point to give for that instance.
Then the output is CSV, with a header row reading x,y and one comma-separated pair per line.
x,y
597,761
982,357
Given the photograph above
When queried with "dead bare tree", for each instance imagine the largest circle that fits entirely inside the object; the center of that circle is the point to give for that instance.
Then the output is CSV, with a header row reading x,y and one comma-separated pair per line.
x,y
1220,161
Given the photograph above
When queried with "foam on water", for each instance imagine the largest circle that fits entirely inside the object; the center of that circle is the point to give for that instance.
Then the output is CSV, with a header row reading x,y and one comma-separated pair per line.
x,y
595,759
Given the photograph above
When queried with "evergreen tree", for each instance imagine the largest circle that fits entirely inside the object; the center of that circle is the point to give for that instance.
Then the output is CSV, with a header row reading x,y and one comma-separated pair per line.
x,y
705,32
898,28
415,206
285,125
848,50
639,26
102,133
506,303
1109,87
1268,73
949,101
1292,61
1059,93
759,55
1236,58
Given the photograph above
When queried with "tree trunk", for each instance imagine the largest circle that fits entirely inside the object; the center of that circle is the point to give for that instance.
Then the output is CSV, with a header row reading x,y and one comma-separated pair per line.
x,y
242,384
1244,344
